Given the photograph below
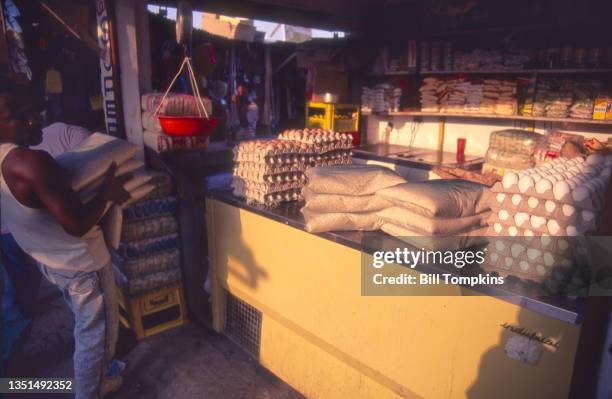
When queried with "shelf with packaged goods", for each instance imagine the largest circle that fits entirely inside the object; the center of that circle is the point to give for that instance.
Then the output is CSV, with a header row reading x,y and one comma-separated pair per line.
x,y
492,116
564,71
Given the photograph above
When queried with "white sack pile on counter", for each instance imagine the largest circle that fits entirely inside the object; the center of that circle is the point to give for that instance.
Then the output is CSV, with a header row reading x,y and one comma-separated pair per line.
x,y
436,214
272,171
533,209
342,198
86,166
176,104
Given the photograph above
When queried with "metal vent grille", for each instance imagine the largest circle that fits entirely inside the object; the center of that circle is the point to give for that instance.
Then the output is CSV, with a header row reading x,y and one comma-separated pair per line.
x,y
243,325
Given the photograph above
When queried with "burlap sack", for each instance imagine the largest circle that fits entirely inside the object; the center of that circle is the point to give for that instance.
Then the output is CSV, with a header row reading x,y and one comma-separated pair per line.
x,y
317,222
420,239
351,179
343,203
442,198
408,219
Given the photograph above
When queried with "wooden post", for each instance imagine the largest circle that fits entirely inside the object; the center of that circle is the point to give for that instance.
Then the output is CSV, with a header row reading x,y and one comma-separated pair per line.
x,y
134,64
441,129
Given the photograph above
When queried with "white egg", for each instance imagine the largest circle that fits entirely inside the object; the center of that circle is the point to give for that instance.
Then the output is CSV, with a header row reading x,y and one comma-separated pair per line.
x,y
533,202
563,244
541,270
543,186
545,240
516,250
568,210
553,227
509,179
503,215
561,189
533,253
500,197
537,221
572,231
580,193
497,227
499,245
520,218
536,177
509,262
494,257
549,259
528,233
550,206
516,199
588,215
524,265
513,231
594,159
525,183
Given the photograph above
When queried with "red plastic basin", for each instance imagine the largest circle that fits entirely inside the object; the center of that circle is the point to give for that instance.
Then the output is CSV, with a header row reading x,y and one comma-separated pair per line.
x,y
188,125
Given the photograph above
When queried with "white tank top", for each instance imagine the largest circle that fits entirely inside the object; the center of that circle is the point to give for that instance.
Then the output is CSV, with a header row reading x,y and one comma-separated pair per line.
x,y
41,236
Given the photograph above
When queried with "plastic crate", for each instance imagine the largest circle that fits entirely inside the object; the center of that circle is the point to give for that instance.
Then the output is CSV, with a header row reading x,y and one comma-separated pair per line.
x,y
153,312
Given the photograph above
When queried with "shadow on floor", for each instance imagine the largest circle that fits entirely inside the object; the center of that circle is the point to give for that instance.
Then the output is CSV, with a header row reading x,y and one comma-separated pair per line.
x,y
186,362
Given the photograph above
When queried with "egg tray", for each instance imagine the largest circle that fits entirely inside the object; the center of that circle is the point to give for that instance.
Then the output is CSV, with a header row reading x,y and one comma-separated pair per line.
x,y
257,176
240,184
289,158
568,214
577,182
538,225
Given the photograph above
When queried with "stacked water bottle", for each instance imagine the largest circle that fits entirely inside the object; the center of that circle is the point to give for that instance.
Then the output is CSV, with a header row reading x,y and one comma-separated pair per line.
x,y
149,257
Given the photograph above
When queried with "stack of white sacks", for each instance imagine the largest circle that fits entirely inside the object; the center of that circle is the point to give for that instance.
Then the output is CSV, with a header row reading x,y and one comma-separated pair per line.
x,y
538,210
342,198
436,214
176,104
448,214
87,165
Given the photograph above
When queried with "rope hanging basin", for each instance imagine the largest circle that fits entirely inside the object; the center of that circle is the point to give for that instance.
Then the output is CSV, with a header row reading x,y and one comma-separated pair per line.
x,y
187,125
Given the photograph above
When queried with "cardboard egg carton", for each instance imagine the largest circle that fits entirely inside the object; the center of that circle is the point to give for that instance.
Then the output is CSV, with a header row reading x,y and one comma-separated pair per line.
x,y
577,182
532,225
541,207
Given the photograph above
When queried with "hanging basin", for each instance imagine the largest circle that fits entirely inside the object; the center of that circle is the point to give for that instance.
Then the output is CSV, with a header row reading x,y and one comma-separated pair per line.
x,y
188,125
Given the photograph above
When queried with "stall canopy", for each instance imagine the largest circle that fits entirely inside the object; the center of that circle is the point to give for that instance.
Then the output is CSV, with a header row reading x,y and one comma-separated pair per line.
x,y
324,14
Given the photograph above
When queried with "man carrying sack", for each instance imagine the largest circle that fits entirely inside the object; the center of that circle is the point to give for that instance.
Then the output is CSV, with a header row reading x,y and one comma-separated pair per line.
x,y
51,224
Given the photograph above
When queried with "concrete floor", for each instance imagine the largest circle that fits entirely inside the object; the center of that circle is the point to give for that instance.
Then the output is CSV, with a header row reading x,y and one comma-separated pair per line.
x,y
186,362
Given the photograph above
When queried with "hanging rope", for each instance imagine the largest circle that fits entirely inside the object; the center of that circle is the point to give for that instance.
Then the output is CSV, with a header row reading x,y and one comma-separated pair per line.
x,y
194,88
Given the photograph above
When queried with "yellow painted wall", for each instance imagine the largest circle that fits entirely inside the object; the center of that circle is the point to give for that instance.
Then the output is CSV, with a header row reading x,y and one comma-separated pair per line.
x,y
328,341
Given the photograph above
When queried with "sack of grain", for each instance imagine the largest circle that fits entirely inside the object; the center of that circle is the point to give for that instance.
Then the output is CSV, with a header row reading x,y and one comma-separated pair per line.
x,y
343,203
439,198
406,218
351,179
317,222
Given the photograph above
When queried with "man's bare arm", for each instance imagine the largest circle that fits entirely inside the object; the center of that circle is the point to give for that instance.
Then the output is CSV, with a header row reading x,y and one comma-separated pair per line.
x,y
52,187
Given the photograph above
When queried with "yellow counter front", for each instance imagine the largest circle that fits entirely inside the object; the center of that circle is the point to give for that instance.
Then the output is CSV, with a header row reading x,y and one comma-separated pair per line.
x,y
316,331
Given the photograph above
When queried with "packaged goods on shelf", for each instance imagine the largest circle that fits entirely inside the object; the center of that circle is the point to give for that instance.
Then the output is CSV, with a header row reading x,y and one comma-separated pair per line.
x,y
272,171
510,149
552,143
381,98
432,91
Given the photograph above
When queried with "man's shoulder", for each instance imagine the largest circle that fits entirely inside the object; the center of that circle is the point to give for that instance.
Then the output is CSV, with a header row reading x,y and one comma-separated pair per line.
x,y
28,162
